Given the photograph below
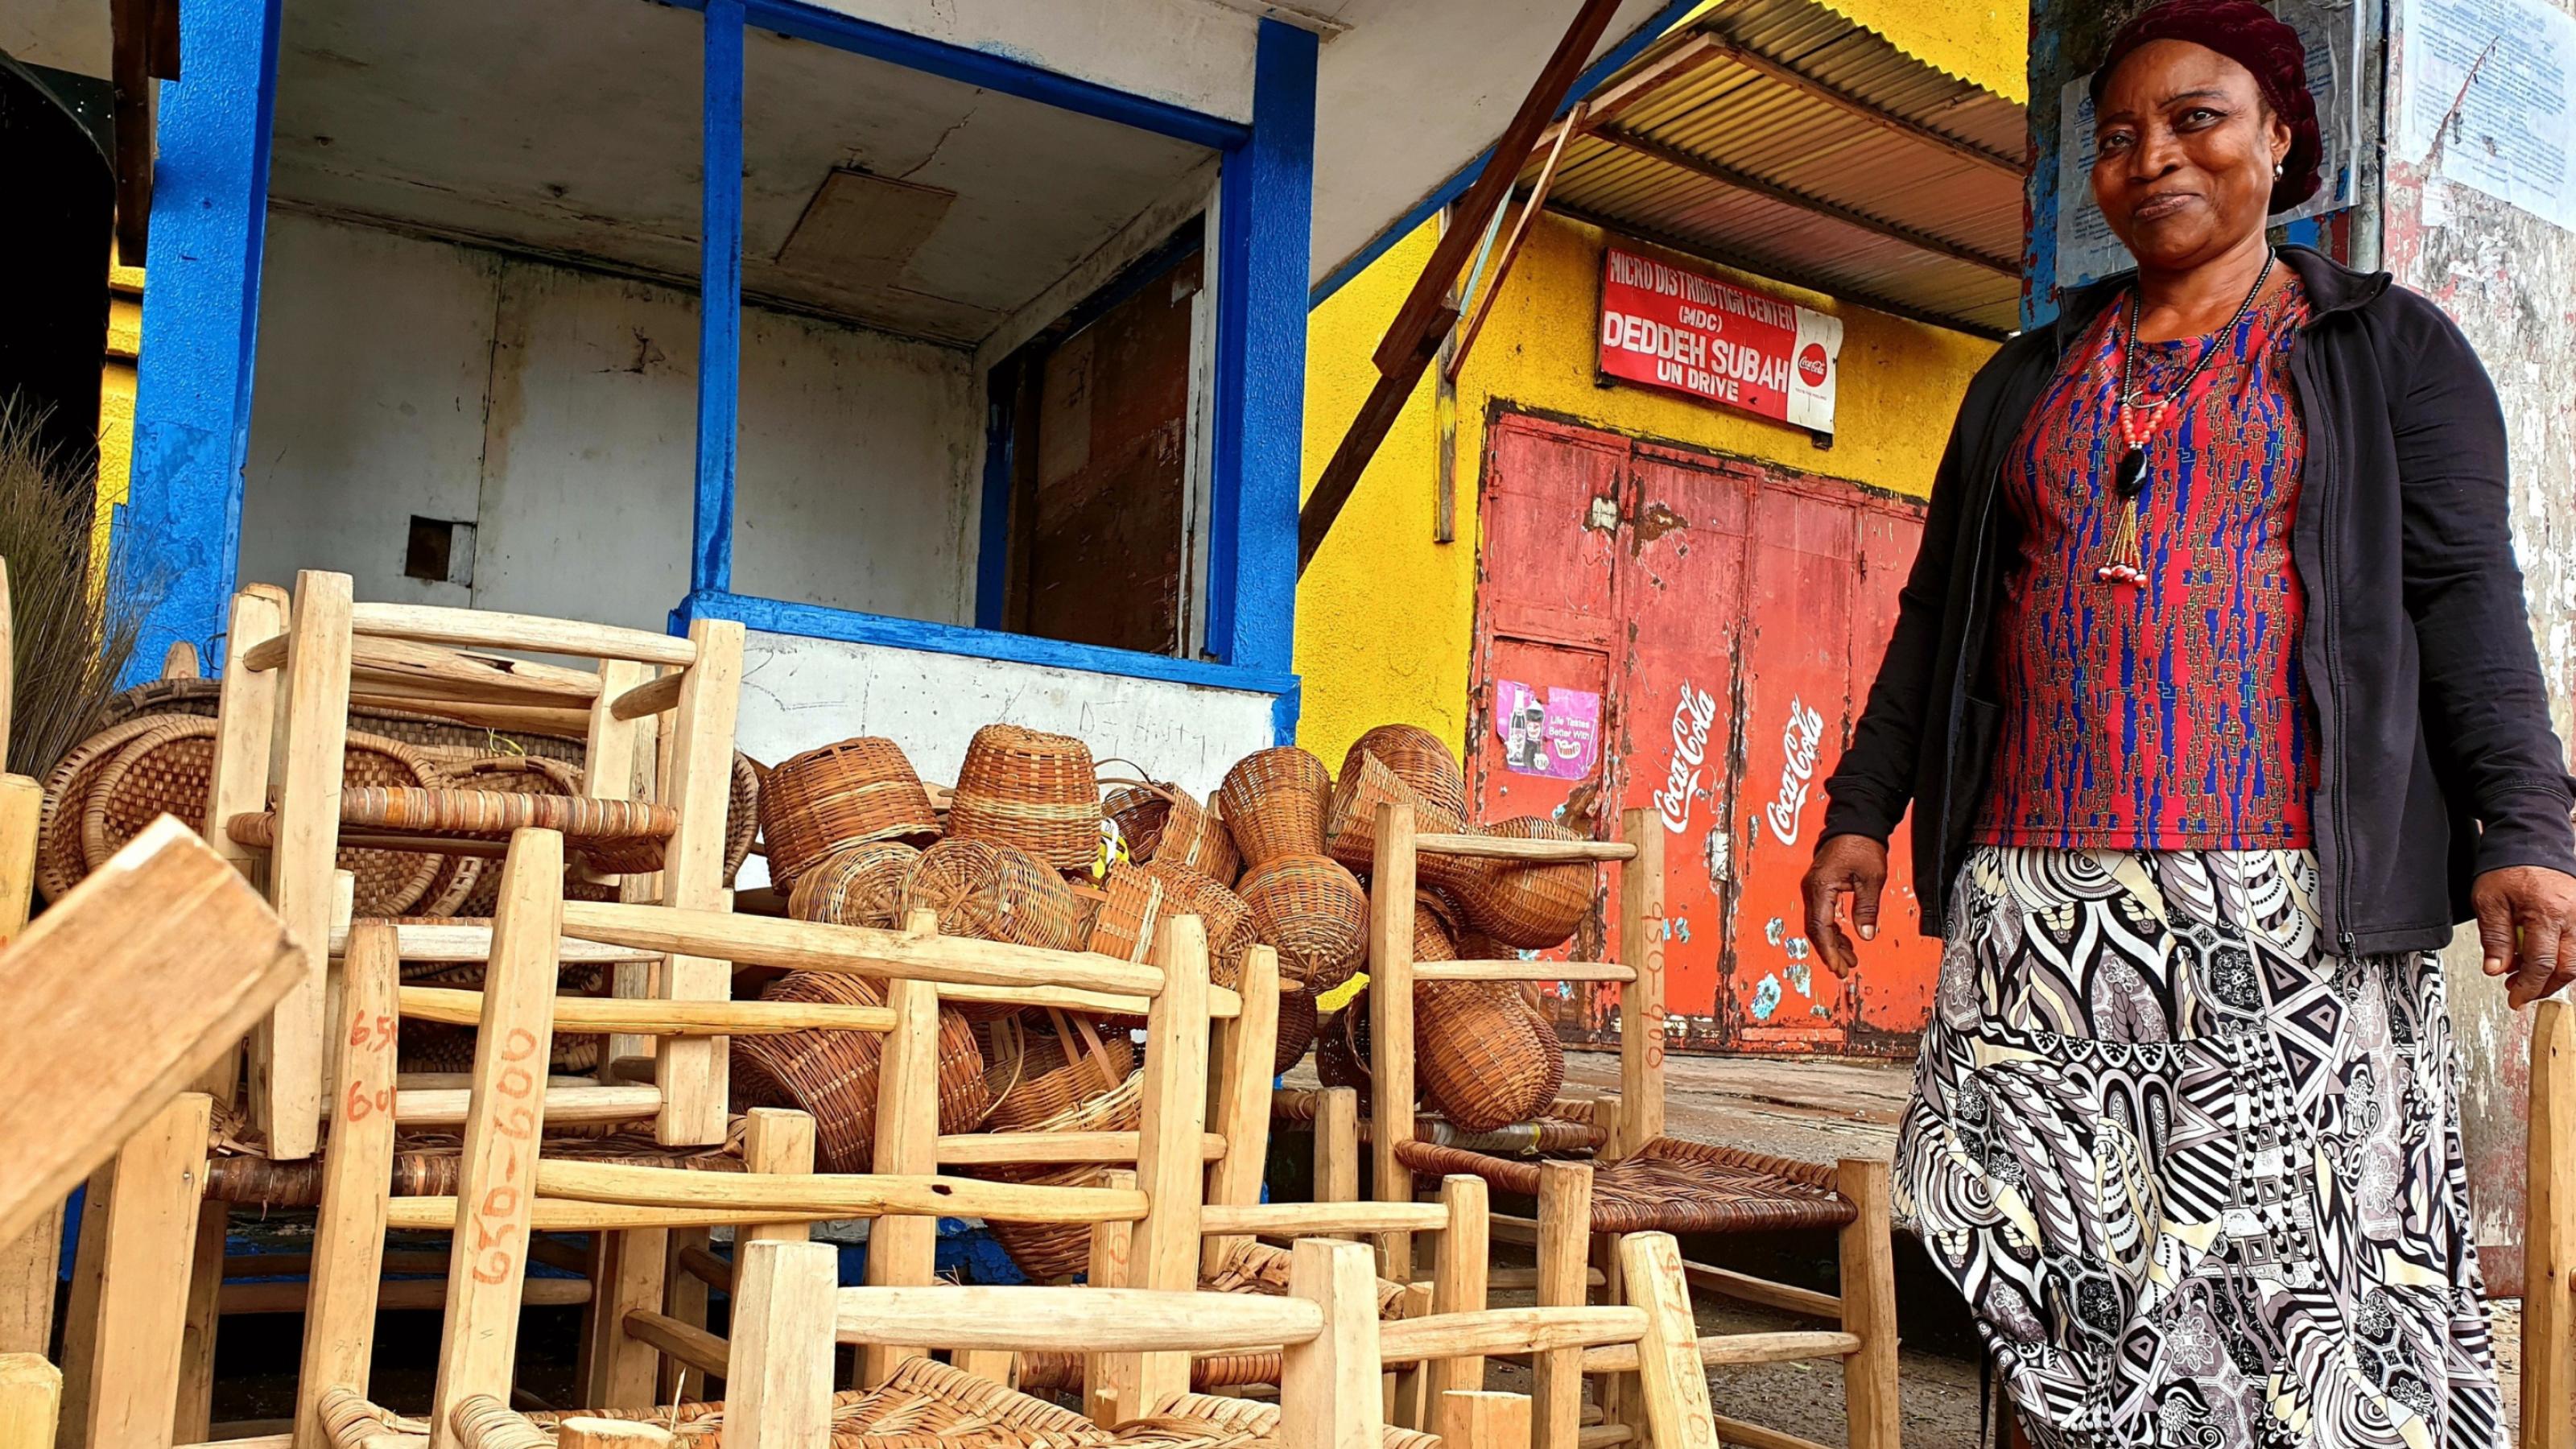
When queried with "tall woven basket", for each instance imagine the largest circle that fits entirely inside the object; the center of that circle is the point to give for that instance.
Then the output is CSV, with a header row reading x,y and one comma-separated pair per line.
x,y
1050,1251
853,793
832,1076
1420,759
1531,907
1351,820
1274,802
1222,913
1162,825
1313,912
1482,1056
1029,789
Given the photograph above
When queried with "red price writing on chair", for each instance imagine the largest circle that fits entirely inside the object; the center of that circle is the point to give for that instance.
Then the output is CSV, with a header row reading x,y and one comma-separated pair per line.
x,y
494,1230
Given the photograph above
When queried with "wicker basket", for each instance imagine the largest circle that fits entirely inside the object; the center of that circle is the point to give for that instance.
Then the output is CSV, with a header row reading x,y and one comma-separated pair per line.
x,y
1352,821
994,892
1483,1058
832,1075
1162,824
1530,907
1297,1022
1042,1064
856,792
509,775
1134,903
1420,759
1222,913
1030,789
1314,912
60,858
859,886
1049,1251
1342,1051
1274,802
742,814
445,741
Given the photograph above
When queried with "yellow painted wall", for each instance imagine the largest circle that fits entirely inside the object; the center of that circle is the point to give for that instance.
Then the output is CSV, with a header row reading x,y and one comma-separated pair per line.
x,y
1385,615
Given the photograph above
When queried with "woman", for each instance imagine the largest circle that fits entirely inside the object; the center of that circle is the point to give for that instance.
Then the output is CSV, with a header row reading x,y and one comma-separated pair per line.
x,y
2214,699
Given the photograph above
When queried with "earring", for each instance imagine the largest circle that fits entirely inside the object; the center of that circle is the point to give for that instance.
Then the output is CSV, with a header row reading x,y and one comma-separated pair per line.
x,y
2280,169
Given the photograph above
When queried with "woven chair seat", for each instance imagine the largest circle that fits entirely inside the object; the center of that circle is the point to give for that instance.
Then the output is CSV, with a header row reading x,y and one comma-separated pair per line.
x,y
924,1404
430,1164
1249,1266
1671,1186
621,836
1566,1131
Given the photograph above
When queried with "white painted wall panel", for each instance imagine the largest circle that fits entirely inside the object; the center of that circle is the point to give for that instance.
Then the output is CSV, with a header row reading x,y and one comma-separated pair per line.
x,y
374,351
557,409
1193,53
65,34
800,693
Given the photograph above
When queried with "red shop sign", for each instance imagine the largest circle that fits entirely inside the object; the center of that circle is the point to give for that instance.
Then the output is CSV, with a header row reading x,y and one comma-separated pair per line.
x,y
1687,332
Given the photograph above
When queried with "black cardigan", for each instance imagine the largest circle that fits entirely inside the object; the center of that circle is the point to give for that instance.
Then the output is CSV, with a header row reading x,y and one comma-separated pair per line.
x,y
2437,760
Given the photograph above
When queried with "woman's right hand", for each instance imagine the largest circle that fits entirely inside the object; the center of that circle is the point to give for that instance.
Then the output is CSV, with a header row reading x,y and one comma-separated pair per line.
x,y
1845,865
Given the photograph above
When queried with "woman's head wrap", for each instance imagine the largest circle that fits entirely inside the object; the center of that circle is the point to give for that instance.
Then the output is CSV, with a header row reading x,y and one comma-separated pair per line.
x,y
2251,36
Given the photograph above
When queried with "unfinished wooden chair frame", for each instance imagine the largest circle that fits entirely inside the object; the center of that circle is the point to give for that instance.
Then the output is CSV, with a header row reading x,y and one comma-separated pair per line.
x,y
2549,1228
293,669
1570,1252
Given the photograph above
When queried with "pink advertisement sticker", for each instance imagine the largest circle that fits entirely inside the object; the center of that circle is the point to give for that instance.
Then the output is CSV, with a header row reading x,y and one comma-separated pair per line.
x,y
1558,736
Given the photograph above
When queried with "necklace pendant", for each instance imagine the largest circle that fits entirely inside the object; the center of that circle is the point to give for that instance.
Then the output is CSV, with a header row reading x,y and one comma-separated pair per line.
x,y
2129,478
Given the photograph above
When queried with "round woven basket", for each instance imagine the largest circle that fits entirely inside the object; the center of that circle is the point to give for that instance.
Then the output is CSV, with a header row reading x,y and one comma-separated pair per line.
x,y
1042,1064
443,740
742,814
832,1075
853,793
1134,902
1274,802
1351,823
1420,759
1530,907
1313,911
1297,1023
1050,1251
1482,1056
504,774
1030,789
1222,914
994,892
859,886
168,769
1162,824
60,859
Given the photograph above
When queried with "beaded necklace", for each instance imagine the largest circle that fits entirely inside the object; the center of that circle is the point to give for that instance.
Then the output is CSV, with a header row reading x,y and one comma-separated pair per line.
x,y
2121,563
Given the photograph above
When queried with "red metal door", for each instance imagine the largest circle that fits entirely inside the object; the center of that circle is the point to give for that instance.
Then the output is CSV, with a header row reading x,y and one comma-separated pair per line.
x,y
1728,619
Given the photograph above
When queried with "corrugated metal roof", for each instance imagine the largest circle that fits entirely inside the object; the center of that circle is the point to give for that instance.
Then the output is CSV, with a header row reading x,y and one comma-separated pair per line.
x,y
1782,137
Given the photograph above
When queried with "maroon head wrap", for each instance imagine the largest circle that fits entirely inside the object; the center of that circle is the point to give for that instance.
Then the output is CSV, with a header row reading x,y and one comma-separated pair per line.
x,y
2251,36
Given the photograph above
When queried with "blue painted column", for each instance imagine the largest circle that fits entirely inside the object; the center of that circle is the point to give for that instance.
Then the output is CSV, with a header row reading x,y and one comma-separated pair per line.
x,y
1265,210
719,300
179,534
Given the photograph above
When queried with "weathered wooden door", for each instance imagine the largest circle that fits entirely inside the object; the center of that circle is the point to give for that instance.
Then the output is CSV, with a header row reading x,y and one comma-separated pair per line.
x,y
1693,636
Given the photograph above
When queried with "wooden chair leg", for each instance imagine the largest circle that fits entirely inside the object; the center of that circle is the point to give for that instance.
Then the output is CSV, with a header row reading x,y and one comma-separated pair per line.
x,y
290,1053
1564,1263
1669,1377
31,1391
903,1251
357,1179
80,1309
625,1370
194,1423
1869,1308
1486,1421
1459,1281
778,1379
691,1070
684,1300
29,1268
1107,1268
151,1234
1328,1387
2549,1226
1615,1392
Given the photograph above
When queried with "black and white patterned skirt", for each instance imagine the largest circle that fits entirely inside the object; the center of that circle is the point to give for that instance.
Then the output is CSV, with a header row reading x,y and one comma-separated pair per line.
x,y
2199,1177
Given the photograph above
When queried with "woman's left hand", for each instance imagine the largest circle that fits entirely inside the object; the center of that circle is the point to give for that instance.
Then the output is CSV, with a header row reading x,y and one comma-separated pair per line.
x,y
2527,923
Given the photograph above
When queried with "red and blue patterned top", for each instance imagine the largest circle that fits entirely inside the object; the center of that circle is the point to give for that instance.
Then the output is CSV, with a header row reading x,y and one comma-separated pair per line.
x,y
2171,714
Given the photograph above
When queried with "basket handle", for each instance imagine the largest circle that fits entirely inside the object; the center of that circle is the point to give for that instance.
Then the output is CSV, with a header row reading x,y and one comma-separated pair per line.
x,y
1006,1026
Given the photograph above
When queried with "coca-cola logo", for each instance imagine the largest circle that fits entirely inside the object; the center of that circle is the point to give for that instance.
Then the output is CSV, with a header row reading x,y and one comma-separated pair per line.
x,y
1691,720
1798,741
1811,364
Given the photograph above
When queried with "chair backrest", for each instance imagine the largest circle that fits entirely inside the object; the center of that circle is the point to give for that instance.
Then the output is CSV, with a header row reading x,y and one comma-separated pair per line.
x,y
293,670
1393,972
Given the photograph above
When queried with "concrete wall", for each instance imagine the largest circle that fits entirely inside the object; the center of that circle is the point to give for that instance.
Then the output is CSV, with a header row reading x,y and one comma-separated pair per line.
x,y
1385,615
556,409
65,34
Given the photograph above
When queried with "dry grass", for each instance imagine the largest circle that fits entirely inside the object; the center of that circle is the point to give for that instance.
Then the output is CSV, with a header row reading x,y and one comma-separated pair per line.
x,y
73,623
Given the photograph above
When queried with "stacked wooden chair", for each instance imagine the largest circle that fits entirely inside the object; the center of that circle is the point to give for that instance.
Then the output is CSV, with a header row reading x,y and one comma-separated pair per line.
x,y
2549,1234
1637,1180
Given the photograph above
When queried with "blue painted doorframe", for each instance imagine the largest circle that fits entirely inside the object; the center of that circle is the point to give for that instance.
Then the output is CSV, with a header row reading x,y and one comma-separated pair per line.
x,y
179,533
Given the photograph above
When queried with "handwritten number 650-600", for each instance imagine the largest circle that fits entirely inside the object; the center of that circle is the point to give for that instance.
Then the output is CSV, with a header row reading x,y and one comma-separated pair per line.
x,y
493,1230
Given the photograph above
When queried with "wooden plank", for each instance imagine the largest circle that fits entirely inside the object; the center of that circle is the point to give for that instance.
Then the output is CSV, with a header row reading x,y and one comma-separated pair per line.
x,y
1517,970
564,1106
1299,1219
998,1364
563,1215
1485,1420
1527,852
1328,1385
497,1182
22,805
1168,1166
424,942
616,754
1463,341
1391,1023
1543,1329
31,1392
775,1140
194,1419
30,1260
659,1333
1737,1350
487,629
1458,1282
902,1252
143,1280
1247,1052
583,1014
1745,1286
692,1070
400,1295
1337,1145
119,996
586,1433
403,664
1741,1435
649,698
357,1182
1670,1379
288,1055
1641,1003
515,718
625,1366
778,1387
1564,1244
1106,1266
80,1313
2549,1218
1118,1320
984,1149
860,950
1869,1308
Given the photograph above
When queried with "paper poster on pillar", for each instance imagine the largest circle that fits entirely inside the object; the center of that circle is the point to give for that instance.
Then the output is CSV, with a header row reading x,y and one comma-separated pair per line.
x,y
1684,331
1555,733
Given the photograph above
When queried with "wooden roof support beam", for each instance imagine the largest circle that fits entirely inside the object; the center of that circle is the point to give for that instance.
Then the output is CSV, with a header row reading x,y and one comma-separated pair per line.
x,y
1414,336
1726,175
1455,357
